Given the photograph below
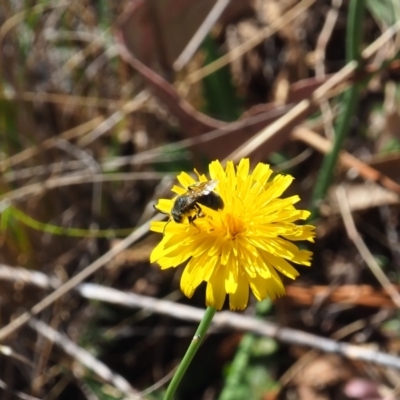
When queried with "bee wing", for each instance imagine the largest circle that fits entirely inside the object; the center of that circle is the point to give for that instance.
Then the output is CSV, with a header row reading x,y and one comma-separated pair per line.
x,y
209,186
200,189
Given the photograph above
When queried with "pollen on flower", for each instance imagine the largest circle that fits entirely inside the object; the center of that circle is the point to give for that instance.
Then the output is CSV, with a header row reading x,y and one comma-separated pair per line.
x,y
235,231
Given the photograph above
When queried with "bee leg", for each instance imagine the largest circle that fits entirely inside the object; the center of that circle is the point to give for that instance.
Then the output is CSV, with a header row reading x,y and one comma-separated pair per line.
x,y
199,213
191,220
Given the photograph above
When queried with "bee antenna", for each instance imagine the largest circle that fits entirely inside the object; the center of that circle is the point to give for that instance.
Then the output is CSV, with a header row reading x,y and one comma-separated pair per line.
x,y
158,210
166,226
162,212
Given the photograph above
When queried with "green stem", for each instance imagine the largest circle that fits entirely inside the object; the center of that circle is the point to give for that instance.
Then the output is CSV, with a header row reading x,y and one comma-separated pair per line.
x,y
59,230
191,351
349,105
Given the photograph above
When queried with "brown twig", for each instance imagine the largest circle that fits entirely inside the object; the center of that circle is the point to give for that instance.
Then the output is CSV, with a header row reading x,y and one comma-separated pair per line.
x,y
362,295
225,319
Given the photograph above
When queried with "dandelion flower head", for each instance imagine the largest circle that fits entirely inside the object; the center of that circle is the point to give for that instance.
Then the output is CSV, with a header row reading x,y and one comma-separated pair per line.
x,y
240,247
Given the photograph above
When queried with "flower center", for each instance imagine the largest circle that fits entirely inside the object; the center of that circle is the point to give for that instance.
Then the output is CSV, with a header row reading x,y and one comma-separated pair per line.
x,y
233,225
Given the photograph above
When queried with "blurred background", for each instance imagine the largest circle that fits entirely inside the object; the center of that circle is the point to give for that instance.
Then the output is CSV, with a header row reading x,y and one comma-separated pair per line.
x,y
102,103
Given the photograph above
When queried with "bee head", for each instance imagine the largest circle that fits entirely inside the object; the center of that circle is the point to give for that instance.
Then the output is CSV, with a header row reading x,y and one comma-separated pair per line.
x,y
177,212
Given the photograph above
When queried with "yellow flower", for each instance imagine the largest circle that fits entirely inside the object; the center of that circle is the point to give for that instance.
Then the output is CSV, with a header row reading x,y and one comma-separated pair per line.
x,y
241,246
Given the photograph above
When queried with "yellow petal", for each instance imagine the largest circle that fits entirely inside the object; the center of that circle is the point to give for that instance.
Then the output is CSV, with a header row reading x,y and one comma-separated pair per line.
x,y
185,179
239,299
215,292
281,265
243,169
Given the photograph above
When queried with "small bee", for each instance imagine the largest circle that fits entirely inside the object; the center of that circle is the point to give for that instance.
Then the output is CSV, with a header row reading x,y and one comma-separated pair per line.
x,y
187,205
199,193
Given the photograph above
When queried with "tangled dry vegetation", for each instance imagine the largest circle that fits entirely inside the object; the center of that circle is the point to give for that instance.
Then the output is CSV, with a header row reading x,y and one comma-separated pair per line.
x,y
102,103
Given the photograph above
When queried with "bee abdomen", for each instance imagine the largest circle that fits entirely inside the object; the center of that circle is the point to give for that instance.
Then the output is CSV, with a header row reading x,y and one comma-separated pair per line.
x,y
211,200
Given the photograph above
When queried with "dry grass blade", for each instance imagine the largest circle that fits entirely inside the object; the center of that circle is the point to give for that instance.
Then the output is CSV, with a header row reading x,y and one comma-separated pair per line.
x,y
85,358
47,144
61,98
73,282
320,52
21,16
24,276
17,394
41,187
9,352
222,320
346,159
226,319
201,33
363,249
253,42
96,127
302,109
133,105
